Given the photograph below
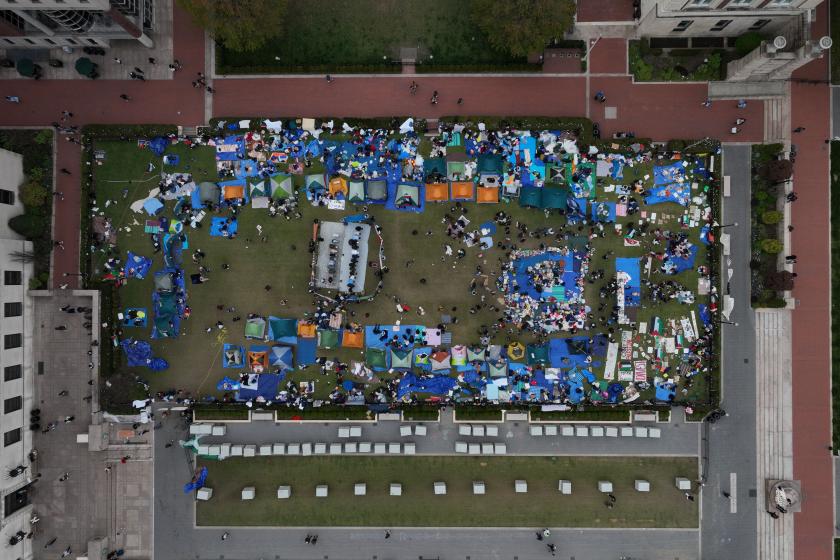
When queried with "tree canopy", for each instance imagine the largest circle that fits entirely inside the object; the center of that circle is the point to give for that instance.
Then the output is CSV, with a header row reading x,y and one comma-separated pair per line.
x,y
240,26
521,27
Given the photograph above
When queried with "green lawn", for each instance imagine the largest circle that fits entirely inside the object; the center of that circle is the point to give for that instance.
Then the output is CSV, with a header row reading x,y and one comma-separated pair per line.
x,y
366,36
284,263
543,505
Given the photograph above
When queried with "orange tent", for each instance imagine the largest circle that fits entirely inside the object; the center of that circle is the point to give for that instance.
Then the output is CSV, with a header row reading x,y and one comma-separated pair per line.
x,y
487,195
437,192
338,185
234,191
258,361
306,330
462,190
353,339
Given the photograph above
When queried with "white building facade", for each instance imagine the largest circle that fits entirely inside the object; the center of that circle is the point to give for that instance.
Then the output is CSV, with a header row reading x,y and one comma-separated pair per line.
x,y
17,384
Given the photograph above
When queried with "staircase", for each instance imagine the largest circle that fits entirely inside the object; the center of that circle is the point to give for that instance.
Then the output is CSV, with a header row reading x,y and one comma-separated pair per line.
x,y
777,120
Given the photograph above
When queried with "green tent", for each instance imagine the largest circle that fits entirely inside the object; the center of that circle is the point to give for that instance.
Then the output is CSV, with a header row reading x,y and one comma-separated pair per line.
x,y
281,186
530,197
455,170
401,359
327,338
497,369
255,328
476,354
407,195
315,182
375,358
433,165
258,187
537,354
281,328
554,196
356,192
490,163
377,189
587,184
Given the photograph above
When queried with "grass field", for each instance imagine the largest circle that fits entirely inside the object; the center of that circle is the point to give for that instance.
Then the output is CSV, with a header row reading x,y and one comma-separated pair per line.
x,y
543,505
366,35
284,263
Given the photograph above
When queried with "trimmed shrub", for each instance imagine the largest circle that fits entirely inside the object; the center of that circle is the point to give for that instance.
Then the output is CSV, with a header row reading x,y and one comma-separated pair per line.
x,y
33,194
30,226
771,217
771,246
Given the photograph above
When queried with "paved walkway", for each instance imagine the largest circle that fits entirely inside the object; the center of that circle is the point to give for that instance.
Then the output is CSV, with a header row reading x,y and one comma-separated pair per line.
x,y
811,319
774,423
678,438
66,212
92,502
729,526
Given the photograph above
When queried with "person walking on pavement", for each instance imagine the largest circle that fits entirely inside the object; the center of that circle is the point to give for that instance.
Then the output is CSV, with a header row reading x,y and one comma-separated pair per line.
x,y
435,97
125,97
799,129
742,104
64,477
412,88
117,60
387,533
67,552
225,536
13,99
65,171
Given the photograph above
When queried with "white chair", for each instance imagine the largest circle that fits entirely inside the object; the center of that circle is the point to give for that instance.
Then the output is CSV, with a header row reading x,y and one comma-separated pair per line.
x,y
654,432
365,446
250,451
581,431
611,431
420,430
306,449
478,430
409,448
464,430
394,448
551,430
380,448
405,431
500,448
344,432
320,449
626,431
335,449
535,430
278,449
487,449
567,431
460,447
355,431
596,431
350,447
265,449
284,492
492,430
359,489
475,449
641,432
293,449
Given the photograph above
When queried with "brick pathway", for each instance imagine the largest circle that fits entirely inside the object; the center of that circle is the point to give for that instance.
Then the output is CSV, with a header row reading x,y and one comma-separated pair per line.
x,y
811,336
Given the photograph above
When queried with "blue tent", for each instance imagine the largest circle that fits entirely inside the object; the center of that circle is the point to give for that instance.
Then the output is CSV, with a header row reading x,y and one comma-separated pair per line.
x,y
281,357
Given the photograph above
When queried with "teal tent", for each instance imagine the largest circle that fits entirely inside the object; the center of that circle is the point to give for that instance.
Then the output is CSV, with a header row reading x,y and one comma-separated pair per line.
x,y
537,354
554,197
327,338
476,354
497,369
356,192
401,359
530,197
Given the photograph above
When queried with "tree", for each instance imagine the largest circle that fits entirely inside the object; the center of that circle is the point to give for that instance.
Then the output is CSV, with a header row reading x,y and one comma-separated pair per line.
x,y
240,26
771,246
33,194
776,170
521,27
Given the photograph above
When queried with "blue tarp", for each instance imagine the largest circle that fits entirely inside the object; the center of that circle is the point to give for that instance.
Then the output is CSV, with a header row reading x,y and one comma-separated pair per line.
x,y
158,145
570,352
677,193
571,272
136,321
267,387
136,266
306,351
218,222
197,483
665,391
603,211
705,314
388,332
668,174
139,354
152,206
436,385
633,288
681,264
